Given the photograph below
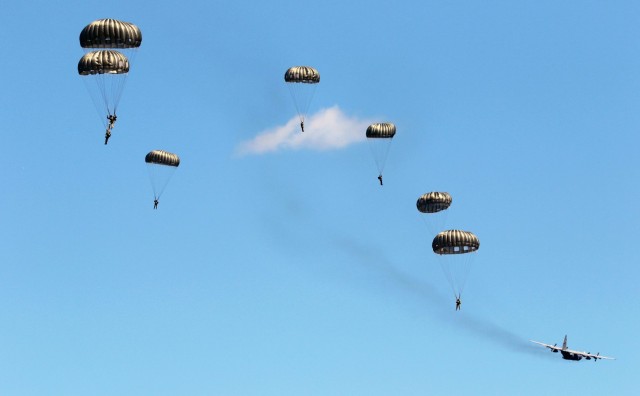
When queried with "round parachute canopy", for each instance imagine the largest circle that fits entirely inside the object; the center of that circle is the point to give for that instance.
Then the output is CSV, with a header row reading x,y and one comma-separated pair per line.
x,y
455,242
381,130
161,157
302,74
103,62
110,33
379,137
434,202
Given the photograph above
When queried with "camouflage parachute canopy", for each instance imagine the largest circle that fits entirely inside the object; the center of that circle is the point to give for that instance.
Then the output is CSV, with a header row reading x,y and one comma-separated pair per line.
x,y
433,202
455,242
103,62
161,157
381,130
110,33
302,74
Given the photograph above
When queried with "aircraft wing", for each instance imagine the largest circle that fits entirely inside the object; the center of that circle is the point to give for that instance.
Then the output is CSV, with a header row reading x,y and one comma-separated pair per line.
x,y
588,355
552,347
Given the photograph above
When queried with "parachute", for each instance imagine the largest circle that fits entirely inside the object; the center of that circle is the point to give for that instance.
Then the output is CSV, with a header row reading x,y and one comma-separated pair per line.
x,y
302,81
103,62
100,39
302,74
161,166
111,34
434,204
104,73
379,137
455,249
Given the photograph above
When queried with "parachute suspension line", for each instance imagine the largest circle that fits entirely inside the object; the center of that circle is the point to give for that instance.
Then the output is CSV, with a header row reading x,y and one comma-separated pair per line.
x,y
160,177
450,278
100,105
380,151
301,100
385,155
295,101
456,270
165,184
100,80
108,93
118,91
112,91
465,267
308,104
131,54
435,221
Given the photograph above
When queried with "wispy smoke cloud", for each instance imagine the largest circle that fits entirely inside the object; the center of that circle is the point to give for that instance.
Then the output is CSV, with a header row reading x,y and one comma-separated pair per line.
x,y
492,332
374,260
328,129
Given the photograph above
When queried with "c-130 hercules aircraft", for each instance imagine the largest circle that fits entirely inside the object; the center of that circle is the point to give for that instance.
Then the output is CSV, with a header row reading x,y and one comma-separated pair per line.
x,y
569,354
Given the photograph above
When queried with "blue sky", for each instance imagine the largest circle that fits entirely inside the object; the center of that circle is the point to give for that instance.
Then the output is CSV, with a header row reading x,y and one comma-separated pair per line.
x,y
292,271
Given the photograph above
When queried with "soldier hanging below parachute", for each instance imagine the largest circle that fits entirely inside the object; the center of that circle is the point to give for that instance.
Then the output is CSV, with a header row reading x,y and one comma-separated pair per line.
x,y
455,249
302,81
161,165
379,137
100,39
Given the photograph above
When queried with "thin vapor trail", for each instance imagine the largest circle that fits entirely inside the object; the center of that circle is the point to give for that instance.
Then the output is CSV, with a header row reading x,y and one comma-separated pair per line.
x,y
372,259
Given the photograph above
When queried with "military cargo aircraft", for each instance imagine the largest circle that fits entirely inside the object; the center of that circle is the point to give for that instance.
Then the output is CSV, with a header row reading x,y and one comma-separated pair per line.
x,y
569,354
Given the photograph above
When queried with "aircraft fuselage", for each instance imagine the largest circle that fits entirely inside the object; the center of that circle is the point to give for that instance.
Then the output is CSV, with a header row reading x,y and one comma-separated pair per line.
x,y
570,356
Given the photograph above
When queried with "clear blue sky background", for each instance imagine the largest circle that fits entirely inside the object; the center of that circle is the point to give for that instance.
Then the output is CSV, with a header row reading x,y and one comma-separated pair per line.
x,y
293,272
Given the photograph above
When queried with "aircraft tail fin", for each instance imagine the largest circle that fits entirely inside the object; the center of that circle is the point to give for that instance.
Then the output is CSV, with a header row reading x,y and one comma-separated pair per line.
x,y
564,343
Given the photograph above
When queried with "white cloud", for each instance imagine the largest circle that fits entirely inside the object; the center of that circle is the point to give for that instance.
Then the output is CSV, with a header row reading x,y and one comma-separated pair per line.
x,y
328,129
